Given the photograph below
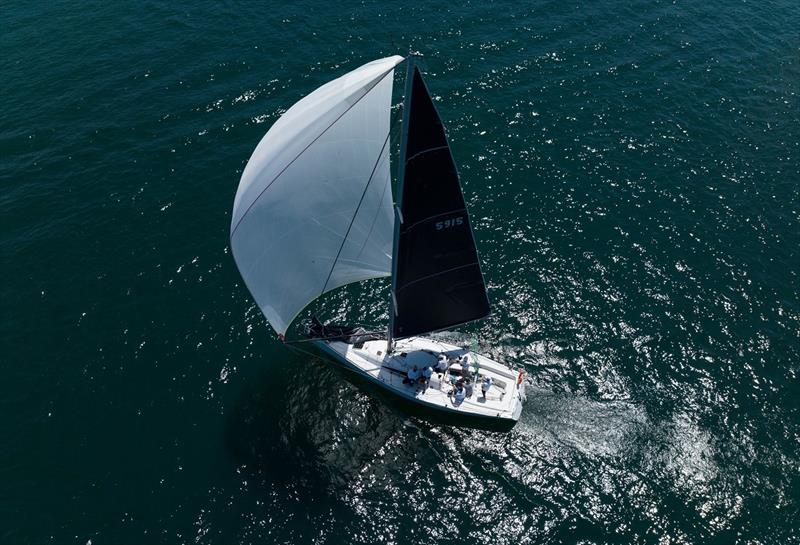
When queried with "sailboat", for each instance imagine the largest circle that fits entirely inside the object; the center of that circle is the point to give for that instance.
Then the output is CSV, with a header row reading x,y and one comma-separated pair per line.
x,y
315,211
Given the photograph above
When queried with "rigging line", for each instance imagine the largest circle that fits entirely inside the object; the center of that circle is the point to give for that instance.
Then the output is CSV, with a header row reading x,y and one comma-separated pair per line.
x,y
305,149
353,219
375,218
392,128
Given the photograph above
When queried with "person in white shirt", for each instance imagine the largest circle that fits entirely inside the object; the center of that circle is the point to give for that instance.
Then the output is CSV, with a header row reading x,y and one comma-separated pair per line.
x,y
442,365
460,395
485,386
465,363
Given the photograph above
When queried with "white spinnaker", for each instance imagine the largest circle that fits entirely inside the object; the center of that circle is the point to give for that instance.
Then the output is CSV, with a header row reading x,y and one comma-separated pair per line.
x,y
313,210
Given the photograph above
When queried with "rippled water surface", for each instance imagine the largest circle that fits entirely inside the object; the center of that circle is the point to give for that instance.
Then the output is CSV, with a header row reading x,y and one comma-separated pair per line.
x,y
632,171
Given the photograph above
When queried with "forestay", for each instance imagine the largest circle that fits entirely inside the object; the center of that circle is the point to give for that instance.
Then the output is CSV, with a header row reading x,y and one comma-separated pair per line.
x,y
313,210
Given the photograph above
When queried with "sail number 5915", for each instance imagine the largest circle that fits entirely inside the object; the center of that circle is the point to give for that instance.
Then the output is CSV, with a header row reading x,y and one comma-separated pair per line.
x,y
447,224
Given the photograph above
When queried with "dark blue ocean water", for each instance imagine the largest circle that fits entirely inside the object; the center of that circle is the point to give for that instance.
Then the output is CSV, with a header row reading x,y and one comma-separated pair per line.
x,y
632,171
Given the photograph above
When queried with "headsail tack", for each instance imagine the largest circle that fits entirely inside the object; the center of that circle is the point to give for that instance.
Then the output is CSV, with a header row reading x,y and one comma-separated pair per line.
x,y
313,210
437,279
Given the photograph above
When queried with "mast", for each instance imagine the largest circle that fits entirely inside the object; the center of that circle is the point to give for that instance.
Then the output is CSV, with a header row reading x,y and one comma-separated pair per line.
x,y
398,216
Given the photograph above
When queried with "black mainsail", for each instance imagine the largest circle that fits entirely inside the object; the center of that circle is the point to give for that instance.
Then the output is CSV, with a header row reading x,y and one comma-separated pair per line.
x,y
436,278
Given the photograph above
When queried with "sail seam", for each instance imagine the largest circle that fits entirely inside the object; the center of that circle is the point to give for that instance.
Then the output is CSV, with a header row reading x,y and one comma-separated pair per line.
x,y
233,231
471,264
358,207
424,152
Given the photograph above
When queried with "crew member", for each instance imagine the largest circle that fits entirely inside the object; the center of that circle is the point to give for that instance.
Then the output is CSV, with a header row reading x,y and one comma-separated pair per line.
x,y
465,362
413,375
485,386
442,365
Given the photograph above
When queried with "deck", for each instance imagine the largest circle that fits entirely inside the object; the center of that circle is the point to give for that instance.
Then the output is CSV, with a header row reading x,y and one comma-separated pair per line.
x,y
503,400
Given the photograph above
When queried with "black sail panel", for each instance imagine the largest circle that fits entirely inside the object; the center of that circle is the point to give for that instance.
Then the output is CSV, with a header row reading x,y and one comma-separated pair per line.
x,y
437,278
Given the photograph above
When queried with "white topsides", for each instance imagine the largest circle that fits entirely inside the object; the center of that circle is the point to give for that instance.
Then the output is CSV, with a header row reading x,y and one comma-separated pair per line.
x,y
313,210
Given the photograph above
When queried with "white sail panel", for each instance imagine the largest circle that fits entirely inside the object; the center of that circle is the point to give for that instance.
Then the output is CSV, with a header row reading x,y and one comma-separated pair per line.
x,y
313,210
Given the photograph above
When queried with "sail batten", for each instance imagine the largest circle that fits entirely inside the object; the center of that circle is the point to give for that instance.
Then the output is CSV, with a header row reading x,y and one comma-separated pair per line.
x,y
422,152
438,273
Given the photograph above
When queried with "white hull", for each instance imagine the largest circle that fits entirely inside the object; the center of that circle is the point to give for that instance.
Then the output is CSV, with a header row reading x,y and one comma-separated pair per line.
x,y
502,404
